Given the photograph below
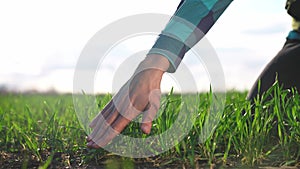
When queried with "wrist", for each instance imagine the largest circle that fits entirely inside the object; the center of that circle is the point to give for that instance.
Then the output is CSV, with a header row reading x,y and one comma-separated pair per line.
x,y
156,61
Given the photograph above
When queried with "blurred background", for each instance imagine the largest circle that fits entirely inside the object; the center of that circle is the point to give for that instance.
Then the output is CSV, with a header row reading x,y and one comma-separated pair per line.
x,y
40,41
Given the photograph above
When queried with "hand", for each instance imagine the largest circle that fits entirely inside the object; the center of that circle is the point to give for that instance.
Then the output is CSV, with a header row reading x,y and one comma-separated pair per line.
x,y
140,94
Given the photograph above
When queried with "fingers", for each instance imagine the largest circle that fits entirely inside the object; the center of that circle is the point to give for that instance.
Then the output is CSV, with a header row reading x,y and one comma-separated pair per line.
x,y
102,125
88,138
116,102
113,119
149,115
105,112
110,122
109,133
97,120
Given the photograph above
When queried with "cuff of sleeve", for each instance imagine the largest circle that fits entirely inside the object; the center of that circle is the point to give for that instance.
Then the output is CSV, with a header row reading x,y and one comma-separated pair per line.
x,y
170,48
294,35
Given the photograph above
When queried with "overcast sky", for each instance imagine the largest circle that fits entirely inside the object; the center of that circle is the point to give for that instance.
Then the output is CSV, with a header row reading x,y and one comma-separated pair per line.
x,y
40,41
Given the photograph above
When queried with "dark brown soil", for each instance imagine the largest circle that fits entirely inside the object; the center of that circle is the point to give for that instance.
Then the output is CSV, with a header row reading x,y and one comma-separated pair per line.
x,y
61,160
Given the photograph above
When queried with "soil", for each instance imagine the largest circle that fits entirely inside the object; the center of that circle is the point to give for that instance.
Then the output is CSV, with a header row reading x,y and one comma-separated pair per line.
x,y
60,160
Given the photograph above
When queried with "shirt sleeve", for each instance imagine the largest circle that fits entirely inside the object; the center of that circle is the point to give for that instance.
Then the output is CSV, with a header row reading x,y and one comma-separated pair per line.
x,y
191,21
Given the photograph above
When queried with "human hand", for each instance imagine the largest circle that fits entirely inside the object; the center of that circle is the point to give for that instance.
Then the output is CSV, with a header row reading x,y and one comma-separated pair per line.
x,y
140,94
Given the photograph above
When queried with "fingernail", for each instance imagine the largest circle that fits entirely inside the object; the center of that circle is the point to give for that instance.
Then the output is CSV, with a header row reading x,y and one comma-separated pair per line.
x,y
146,129
89,144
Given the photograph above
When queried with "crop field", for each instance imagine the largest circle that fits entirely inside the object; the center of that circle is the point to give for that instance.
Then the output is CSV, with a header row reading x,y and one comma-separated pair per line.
x,y
43,131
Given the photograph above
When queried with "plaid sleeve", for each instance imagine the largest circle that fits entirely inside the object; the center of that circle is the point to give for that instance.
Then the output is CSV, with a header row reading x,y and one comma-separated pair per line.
x,y
191,21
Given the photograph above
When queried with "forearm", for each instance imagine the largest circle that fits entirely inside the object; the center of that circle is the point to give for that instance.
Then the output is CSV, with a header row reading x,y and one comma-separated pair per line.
x,y
189,24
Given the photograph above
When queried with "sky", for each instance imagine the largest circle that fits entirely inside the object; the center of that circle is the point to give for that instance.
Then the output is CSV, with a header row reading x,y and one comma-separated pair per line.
x,y
41,41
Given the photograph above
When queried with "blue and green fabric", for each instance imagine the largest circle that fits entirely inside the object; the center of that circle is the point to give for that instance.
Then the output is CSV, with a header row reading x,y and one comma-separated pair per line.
x,y
295,33
191,21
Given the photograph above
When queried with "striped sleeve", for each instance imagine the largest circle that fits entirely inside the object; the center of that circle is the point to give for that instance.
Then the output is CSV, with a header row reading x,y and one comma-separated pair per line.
x,y
191,21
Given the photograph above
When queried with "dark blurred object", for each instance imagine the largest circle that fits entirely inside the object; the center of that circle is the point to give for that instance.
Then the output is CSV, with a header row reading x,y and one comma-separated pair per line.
x,y
293,8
